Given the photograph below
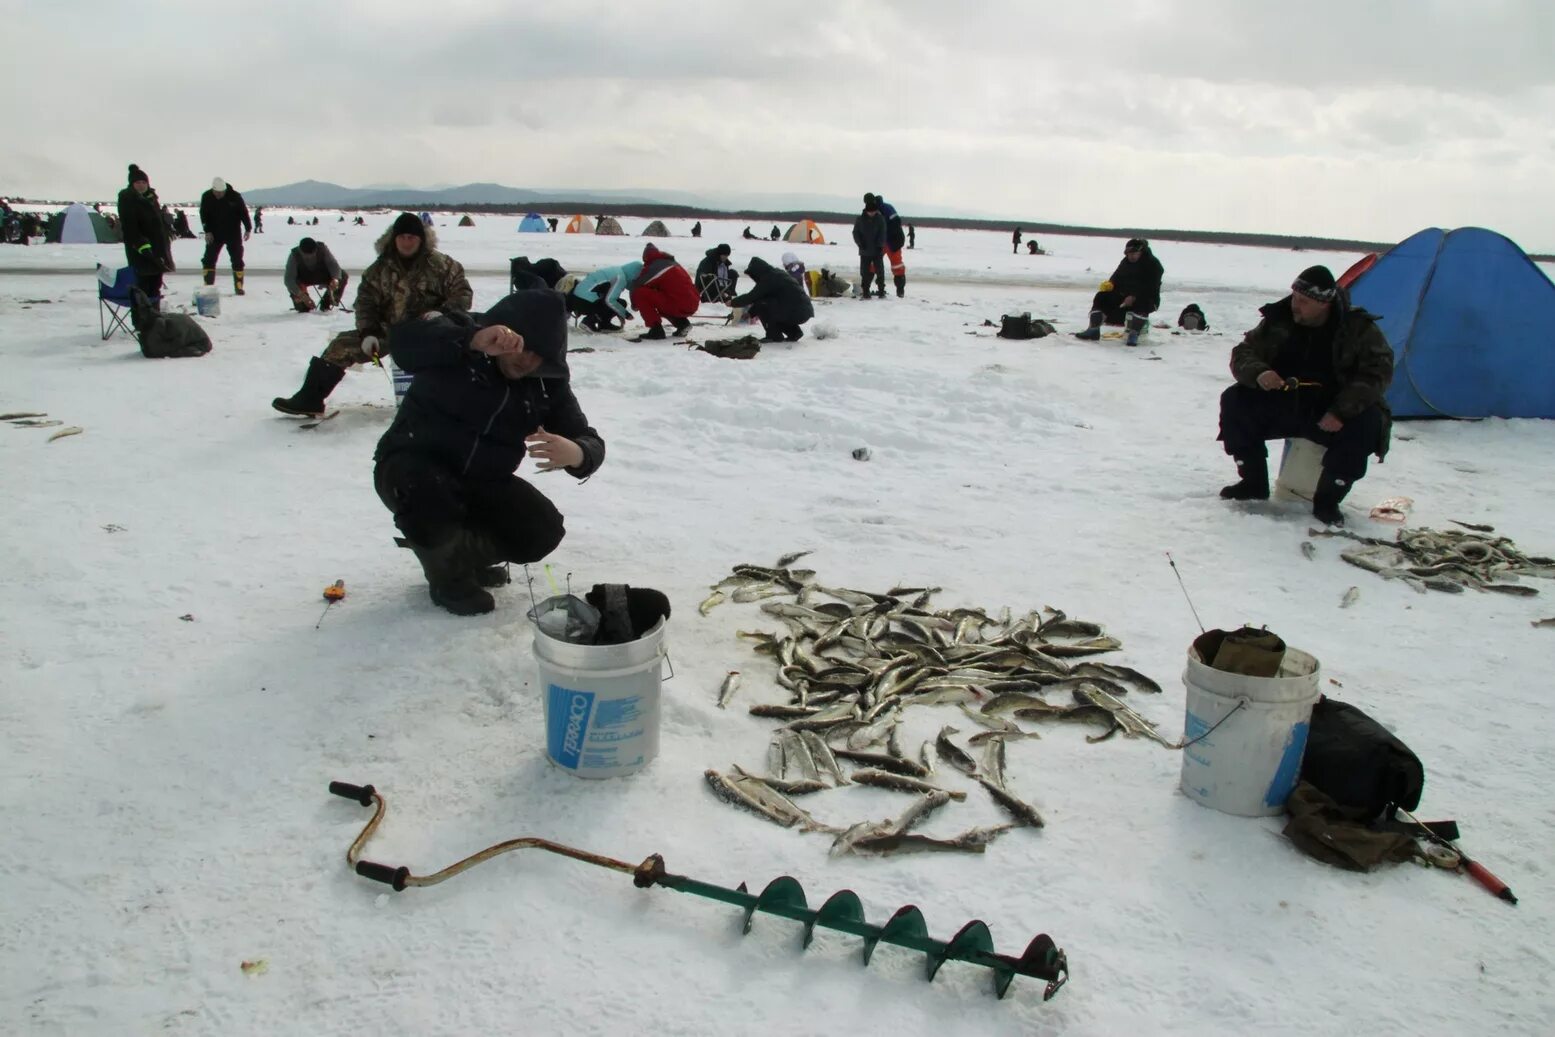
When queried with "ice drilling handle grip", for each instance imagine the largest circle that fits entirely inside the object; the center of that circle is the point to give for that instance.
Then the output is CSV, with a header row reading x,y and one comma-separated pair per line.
x,y
1485,877
363,794
383,873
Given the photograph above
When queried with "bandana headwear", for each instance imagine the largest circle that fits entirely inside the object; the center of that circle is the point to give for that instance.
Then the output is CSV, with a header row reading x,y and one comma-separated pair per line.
x,y
1316,283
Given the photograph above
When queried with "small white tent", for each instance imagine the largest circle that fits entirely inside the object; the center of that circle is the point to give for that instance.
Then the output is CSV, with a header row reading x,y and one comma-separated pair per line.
x,y
76,228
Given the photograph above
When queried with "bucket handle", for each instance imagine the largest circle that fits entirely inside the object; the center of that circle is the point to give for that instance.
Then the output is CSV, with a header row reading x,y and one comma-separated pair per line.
x,y
671,662
1243,701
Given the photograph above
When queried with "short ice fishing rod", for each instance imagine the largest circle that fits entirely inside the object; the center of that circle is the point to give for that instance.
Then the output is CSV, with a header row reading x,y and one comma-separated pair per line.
x,y
1477,871
784,897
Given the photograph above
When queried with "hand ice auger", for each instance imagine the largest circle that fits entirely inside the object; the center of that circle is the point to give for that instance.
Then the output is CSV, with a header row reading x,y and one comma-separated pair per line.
x,y
784,897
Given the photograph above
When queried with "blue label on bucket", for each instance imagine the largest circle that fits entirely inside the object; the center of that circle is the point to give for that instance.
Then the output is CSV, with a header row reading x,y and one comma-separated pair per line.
x,y
1289,770
568,723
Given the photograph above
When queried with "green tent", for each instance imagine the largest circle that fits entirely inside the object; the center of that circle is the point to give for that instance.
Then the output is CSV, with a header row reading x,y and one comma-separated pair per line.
x,y
78,225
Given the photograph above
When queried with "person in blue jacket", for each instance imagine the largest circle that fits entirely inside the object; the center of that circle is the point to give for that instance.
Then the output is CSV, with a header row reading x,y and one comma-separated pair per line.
x,y
597,298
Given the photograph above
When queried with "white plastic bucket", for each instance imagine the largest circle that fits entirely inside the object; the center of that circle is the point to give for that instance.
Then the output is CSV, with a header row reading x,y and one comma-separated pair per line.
x,y
207,301
1301,465
601,703
1248,765
400,378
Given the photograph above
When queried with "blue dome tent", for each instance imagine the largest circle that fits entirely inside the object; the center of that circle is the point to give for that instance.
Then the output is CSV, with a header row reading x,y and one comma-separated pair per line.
x,y
533,223
1469,317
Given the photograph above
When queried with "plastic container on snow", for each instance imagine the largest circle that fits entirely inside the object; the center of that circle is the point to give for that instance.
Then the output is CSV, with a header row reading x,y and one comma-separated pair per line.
x,y
207,301
400,378
601,702
1248,765
1301,464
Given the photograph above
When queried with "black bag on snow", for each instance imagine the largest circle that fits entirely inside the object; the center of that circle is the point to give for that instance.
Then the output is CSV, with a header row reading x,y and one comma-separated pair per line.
x,y
166,335
1358,763
1021,326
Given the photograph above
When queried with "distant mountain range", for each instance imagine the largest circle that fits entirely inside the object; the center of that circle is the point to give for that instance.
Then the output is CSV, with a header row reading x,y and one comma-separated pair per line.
x,y
320,194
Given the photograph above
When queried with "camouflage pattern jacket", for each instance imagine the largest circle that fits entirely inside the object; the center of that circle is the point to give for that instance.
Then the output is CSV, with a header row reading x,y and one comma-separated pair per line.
x,y
393,290
1363,360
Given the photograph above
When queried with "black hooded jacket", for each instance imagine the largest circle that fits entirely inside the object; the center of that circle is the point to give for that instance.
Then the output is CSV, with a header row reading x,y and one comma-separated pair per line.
x,y
542,273
224,216
869,232
140,221
711,261
1141,279
780,296
462,410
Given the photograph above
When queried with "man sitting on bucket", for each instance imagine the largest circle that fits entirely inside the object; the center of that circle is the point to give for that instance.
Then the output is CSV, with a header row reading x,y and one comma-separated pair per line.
x,y
489,389
1314,367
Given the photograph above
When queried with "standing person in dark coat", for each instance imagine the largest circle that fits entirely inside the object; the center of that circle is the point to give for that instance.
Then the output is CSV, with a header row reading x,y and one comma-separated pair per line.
x,y
869,234
716,276
1130,296
912,236
489,389
1015,249
146,244
224,218
776,300
1315,367
895,240
259,221
696,229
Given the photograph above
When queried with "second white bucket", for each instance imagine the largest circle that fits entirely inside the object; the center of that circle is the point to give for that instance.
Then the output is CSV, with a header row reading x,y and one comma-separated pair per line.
x,y
401,379
207,301
1301,465
1248,765
601,703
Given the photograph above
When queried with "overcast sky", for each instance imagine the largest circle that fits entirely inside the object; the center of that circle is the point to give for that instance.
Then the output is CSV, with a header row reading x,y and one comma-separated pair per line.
x,y
1366,118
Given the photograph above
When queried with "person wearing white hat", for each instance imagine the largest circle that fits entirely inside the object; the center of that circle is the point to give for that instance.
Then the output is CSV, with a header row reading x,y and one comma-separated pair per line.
x,y
224,218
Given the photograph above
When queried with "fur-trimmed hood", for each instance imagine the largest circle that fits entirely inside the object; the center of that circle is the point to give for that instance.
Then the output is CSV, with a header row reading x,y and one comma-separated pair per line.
x,y
381,246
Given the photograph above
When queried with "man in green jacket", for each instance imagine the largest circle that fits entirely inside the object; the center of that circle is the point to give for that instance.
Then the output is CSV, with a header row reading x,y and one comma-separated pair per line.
x,y
1314,367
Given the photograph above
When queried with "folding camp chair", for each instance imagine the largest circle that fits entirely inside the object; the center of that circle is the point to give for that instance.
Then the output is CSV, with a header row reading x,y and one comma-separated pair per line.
x,y
114,304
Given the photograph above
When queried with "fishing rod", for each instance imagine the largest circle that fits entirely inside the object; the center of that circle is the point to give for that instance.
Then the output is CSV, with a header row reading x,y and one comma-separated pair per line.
x,y
1477,871
1184,586
784,897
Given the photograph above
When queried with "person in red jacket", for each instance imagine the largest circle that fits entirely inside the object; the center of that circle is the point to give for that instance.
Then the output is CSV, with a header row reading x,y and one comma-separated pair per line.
x,y
663,289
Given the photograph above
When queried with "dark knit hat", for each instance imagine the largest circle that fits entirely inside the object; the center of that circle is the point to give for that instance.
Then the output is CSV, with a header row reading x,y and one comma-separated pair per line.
x,y
1316,283
307,246
137,173
1136,245
870,201
724,250
410,223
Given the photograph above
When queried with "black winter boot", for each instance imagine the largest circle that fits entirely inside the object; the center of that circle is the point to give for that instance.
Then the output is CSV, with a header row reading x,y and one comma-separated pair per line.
x,y
321,380
1325,499
1092,333
451,582
1254,484
901,285
682,325
655,333
1136,327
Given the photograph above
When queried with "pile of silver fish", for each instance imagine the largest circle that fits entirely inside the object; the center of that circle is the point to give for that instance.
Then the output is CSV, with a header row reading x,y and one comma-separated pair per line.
x,y
1447,559
852,662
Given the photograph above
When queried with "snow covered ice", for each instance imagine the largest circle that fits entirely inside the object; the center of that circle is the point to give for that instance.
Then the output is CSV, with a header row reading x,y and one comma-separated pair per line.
x,y
165,816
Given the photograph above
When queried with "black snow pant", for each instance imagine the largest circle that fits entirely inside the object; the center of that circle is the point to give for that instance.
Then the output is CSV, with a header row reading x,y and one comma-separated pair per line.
x,y
1113,310
432,504
149,281
234,246
776,329
1249,417
871,265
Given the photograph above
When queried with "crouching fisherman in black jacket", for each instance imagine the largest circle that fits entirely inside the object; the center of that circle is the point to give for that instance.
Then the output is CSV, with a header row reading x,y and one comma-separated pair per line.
x,y
488,389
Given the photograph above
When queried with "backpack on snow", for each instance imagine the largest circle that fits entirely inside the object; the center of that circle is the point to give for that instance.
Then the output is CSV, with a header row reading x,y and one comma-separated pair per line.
x,y
166,335
1359,763
1020,326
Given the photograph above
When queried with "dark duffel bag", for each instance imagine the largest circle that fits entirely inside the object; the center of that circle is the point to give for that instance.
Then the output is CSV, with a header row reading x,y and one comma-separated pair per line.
x,y
1359,763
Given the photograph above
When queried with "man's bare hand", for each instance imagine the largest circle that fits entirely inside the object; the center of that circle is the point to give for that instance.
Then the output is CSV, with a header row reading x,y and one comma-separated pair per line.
x,y
1330,423
551,451
497,340
1269,380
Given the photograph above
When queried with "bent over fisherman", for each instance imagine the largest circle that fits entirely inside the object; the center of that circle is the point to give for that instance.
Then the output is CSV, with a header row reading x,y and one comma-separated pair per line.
x,y
489,389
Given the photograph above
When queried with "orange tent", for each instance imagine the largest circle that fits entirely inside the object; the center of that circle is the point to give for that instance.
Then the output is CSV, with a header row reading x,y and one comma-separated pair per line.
x,y
580,225
805,232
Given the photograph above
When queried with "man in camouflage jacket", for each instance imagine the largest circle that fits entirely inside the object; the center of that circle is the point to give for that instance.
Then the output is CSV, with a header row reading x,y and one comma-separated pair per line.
x,y
409,279
1315,367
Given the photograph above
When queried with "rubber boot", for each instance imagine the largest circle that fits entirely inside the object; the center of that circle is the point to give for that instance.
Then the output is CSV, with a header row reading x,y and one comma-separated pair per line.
x,y
901,285
302,302
793,333
485,559
1135,325
1254,483
320,381
682,326
1325,499
237,282
1092,333
209,273
451,581
655,333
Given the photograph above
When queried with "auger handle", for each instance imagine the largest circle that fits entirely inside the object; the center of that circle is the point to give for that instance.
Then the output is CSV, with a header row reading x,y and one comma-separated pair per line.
x,y
363,794
383,873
